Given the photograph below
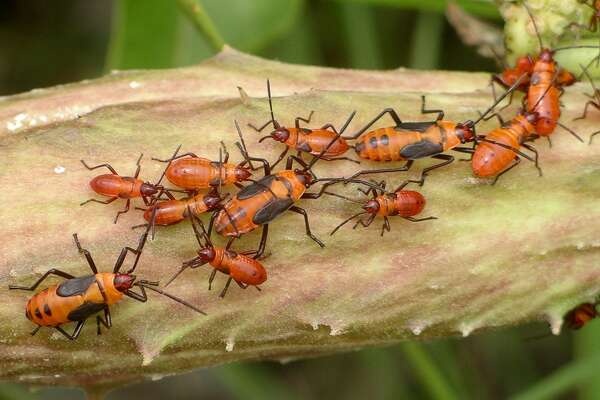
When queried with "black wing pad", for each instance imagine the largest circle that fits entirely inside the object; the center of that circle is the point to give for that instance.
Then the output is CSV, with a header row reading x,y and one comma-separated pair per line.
x,y
414,126
84,311
421,149
75,286
259,186
271,210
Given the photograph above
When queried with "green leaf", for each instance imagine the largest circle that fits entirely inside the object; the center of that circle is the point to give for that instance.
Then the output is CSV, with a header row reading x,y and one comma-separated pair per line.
x,y
525,249
143,34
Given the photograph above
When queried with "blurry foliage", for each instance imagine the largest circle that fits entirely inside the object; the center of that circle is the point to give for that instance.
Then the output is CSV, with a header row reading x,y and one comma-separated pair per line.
x,y
46,43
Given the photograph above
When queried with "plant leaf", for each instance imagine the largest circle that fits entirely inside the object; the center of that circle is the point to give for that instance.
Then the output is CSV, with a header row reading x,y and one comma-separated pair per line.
x,y
526,249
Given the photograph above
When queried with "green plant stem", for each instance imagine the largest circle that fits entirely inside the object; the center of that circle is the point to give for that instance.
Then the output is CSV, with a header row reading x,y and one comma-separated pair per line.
x,y
362,43
585,344
252,382
202,21
562,379
427,40
426,370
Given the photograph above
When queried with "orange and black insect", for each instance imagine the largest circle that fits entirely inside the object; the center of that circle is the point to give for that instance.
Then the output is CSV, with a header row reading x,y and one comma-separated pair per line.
x,y
402,203
580,315
77,299
116,186
594,101
305,140
543,94
262,201
190,172
241,268
173,211
409,141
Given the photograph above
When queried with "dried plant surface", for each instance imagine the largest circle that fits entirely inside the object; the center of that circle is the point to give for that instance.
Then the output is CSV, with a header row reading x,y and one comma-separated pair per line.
x,y
525,249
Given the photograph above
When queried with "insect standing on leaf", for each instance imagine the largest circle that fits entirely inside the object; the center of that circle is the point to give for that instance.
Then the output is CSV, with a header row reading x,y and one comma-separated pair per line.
x,y
241,268
403,203
77,299
305,140
580,315
409,141
116,187
262,201
594,100
188,171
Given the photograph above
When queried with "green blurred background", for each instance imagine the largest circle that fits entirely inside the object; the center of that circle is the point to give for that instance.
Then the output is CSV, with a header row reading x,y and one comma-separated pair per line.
x,y
45,43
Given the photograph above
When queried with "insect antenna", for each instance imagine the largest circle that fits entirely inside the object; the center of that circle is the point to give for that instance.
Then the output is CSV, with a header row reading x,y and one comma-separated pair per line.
x,y
343,197
535,27
346,221
587,74
242,145
153,286
168,165
509,91
275,123
142,242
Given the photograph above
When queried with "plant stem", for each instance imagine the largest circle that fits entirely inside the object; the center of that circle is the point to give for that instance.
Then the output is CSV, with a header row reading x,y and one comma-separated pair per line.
x,y
427,40
202,21
426,370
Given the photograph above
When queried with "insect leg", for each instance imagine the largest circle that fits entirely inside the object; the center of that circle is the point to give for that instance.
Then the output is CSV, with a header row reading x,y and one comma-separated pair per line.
x,y
403,185
592,136
536,158
517,161
585,109
139,166
211,278
302,212
572,132
341,158
226,287
52,271
111,169
75,333
37,328
123,211
448,159
269,122
99,201
137,251
226,159
405,167
176,158
305,120
281,157
87,255
467,150
106,321
389,111
385,226
411,219
242,285
440,113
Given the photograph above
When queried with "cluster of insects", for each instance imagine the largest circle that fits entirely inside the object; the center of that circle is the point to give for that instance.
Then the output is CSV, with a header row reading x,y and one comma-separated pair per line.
x,y
258,201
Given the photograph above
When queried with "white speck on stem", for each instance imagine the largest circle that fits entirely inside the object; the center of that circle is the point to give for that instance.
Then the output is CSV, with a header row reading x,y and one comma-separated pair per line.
x,y
229,344
20,117
417,328
135,84
59,169
555,322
